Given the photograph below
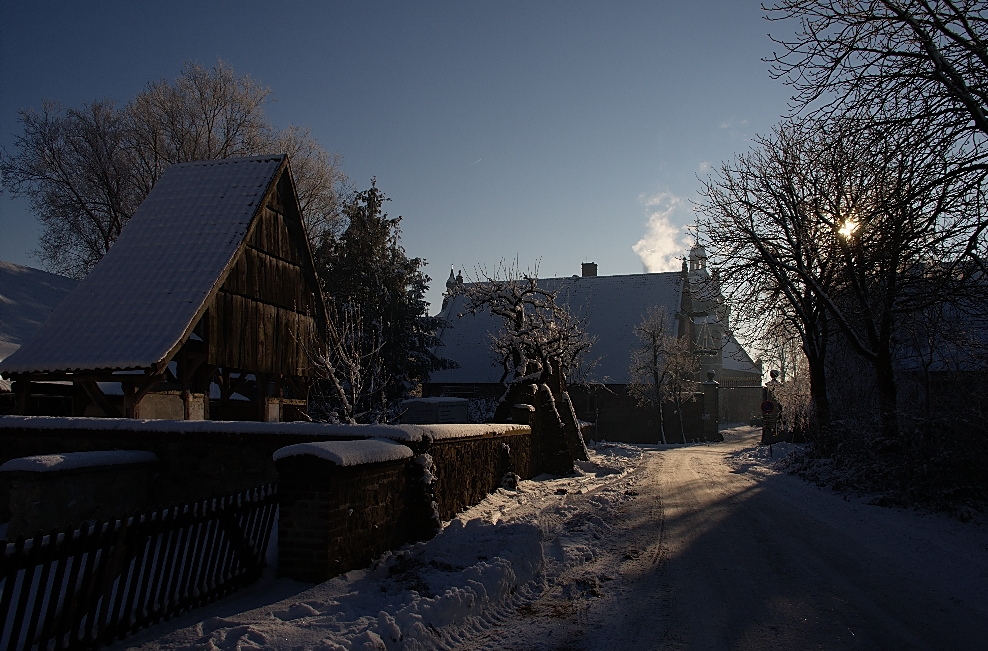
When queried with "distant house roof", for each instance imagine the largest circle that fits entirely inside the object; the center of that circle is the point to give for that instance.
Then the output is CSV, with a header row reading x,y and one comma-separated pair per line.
x,y
27,298
146,294
611,305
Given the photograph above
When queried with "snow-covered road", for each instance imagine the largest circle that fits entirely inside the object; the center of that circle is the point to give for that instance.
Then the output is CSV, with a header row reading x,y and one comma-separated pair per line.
x,y
682,547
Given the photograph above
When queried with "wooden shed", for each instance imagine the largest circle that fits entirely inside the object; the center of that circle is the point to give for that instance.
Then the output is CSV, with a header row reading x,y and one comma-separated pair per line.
x,y
207,306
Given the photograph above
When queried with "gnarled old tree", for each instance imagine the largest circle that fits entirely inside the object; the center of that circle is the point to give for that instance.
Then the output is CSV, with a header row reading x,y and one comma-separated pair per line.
x,y
85,170
842,229
540,343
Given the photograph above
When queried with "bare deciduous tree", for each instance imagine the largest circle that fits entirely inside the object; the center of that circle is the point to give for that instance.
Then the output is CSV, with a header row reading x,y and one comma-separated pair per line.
x,y
540,342
843,229
662,367
918,59
86,170
762,228
352,368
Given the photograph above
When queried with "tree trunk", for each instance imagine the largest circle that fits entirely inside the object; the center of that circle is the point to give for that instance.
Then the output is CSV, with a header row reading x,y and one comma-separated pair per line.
x,y
662,424
818,392
887,395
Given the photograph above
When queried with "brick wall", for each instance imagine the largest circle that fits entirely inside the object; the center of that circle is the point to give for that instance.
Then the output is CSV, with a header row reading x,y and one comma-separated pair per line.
x,y
42,500
468,469
192,465
334,519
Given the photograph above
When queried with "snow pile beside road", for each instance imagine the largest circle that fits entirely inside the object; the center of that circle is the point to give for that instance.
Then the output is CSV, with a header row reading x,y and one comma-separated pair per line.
x,y
484,565
763,459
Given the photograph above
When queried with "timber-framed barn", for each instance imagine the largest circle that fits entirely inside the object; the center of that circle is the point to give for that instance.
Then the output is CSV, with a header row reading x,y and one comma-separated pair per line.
x,y
206,307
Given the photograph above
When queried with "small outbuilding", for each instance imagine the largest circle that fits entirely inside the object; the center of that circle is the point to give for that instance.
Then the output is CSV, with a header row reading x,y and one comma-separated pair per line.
x,y
207,306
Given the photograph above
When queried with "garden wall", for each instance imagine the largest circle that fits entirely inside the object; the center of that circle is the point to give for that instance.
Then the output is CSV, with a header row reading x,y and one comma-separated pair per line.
x,y
468,469
343,503
336,517
197,460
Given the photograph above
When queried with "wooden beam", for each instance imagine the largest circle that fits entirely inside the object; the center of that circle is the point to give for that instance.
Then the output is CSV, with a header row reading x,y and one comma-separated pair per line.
x,y
99,399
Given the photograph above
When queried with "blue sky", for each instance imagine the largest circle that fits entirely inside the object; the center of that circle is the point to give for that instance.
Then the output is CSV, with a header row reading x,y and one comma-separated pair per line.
x,y
551,132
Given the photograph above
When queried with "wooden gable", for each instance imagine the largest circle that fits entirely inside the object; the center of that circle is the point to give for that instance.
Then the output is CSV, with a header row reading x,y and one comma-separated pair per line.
x,y
268,315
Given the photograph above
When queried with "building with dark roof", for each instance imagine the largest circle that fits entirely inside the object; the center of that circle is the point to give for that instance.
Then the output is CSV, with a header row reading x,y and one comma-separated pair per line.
x,y
206,305
612,307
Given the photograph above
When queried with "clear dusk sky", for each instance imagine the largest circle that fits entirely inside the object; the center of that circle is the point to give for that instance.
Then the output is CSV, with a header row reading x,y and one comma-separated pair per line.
x,y
554,132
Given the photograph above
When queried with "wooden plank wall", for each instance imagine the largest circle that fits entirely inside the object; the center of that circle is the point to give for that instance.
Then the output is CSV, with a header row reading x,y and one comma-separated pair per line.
x,y
263,318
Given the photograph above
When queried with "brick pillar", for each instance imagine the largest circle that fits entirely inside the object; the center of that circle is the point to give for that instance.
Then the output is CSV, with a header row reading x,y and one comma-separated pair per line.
x,y
337,518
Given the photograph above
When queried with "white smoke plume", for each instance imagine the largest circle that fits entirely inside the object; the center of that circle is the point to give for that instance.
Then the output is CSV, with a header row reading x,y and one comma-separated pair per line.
x,y
664,244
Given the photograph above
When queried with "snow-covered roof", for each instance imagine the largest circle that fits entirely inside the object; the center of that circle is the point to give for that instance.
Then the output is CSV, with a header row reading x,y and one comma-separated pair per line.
x,y
735,357
27,298
611,305
139,303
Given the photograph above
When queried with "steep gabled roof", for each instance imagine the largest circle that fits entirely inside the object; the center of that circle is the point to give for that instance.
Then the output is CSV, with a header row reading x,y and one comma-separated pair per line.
x,y
611,305
736,358
142,300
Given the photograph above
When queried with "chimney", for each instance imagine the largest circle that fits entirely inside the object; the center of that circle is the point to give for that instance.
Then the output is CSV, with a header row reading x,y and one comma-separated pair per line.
x,y
589,269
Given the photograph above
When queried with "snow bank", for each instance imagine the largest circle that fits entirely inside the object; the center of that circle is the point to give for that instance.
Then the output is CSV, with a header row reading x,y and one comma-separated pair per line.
x,y
348,453
75,460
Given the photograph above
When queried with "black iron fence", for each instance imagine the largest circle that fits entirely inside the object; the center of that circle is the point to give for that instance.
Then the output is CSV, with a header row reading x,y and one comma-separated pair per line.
x,y
89,587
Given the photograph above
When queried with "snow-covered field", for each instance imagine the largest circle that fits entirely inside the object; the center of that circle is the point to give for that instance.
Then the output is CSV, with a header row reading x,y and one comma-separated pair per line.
x,y
670,547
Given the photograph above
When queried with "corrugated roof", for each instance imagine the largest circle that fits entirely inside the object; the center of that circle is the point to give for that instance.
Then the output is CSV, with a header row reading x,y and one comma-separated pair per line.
x,y
612,306
136,305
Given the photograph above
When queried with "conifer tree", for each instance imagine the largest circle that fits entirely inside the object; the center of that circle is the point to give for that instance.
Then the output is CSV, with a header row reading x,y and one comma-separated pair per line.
x,y
380,331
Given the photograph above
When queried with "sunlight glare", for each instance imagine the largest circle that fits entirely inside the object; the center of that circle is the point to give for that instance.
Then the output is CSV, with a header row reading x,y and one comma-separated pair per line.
x,y
848,228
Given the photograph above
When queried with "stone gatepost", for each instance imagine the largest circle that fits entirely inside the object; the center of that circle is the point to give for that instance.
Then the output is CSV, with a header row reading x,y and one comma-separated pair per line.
x,y
771,410
343,503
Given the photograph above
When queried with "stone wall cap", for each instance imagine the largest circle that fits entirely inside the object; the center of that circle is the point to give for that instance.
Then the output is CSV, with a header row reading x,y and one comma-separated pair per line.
x,y
410,433
75,460
348,453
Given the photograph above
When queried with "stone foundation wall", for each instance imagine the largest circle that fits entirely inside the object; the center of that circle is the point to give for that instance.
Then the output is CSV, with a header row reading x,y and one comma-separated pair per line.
x,y
468,469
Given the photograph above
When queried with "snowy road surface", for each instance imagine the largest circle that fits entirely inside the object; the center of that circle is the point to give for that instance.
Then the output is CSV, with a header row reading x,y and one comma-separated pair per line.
x,y
686,547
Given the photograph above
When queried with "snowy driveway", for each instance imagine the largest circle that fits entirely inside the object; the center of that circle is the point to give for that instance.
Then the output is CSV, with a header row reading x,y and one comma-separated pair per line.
x,y
695,547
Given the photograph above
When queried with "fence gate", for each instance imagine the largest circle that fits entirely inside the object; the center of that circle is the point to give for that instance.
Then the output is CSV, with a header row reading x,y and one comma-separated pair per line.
x,y
89,587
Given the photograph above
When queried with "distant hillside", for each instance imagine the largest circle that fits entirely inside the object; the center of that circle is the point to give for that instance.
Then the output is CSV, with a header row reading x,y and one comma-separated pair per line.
x,y
27,297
